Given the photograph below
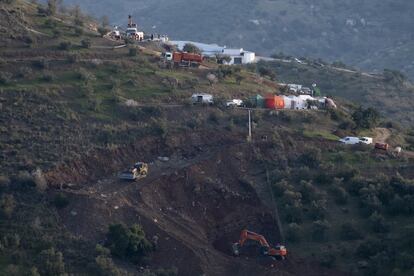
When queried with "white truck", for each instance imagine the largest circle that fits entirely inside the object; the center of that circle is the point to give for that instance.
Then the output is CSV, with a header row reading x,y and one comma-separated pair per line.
x,y
349,140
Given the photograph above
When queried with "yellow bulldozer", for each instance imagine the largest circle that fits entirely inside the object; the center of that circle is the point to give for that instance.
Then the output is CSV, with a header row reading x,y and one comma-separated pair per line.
x,y
138,171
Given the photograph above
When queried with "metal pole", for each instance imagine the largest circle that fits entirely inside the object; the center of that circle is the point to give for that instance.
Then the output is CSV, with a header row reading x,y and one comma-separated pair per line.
x,y
250,127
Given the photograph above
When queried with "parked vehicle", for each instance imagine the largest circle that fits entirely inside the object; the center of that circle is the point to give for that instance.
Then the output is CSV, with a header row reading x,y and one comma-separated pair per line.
x,y
278,252
365,140
382,146
234,103
202,99
139,170
179,59
350,140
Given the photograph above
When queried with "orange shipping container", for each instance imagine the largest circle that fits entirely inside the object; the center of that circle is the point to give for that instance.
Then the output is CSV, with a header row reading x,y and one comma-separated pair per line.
x,y
274,102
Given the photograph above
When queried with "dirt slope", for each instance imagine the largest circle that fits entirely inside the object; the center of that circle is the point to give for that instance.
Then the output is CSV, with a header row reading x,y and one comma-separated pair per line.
x,y
196,203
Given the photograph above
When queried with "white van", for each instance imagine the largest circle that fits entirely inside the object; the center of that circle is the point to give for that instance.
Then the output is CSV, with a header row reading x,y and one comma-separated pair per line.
x,y
365,140
350,140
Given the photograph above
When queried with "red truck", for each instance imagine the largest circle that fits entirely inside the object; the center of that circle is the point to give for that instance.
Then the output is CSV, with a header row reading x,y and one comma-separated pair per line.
x,y
382,146
183,59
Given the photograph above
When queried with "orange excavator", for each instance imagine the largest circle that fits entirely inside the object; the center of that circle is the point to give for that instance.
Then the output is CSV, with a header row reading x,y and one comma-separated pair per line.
x,y
279,252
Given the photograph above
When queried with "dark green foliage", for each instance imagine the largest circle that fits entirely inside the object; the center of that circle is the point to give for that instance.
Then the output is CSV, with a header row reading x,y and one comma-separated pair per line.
x,y
191,48
349,231
294,232
133,52
264,71
65,45
395,77
129,243
48,76
79,31
23,179
378,223
86,43
41,64
60,201
340,194
317,210
103,30
370,248
7,205
5,77
327,258
319,229
311,157
366,118
51,262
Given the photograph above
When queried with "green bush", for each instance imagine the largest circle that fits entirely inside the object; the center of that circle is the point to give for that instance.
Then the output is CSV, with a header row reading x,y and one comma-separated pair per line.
x,y
48,76
349,232
5,77
65,45
319,229
4,182
78,31
366,118
378,223
60,201
86,43
52,262
7,205
128,243
294,232
133,52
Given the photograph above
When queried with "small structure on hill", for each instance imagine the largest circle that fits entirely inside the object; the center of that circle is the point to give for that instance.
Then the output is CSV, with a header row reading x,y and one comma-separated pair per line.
x,y
202,98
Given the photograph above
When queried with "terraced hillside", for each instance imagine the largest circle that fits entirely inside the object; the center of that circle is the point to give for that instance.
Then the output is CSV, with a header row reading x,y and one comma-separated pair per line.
x,y
76,110
372,35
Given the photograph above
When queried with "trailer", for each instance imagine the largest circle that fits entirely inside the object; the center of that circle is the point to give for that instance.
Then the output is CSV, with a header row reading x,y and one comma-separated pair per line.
x,y
183,59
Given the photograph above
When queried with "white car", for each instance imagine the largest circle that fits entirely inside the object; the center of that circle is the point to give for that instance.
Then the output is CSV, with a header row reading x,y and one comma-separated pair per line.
x,y
350,140
365,140
234,103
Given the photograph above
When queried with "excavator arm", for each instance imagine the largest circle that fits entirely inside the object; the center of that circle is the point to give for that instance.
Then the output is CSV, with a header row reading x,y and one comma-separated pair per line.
x,y
279,252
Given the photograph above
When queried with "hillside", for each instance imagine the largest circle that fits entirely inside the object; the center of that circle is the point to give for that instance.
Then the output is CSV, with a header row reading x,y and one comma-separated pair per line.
x,y
371,35
78,108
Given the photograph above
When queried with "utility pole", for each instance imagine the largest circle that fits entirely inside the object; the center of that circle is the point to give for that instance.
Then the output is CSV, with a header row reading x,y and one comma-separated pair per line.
x,y
249,138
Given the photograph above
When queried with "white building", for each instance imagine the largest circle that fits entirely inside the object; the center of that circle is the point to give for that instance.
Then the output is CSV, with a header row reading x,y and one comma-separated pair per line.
x,y
238,56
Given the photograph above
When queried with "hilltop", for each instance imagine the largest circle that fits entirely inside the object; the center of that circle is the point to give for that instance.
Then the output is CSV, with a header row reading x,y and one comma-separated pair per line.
x,y
372,35
78,108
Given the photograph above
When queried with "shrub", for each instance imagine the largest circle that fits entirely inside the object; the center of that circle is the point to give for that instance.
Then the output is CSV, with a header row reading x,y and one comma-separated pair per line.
x,y
129,243
311,157
52,262
103,31
133,52
191,48
327,258
24,179
366,118
40,180
339,193
319,229
48,76
349,232
294,232
4,182
25,72
378,223
317,209
65,45
7,205
78,31
106,266
86,43
85,75
41,64
369,248
60,201
5,77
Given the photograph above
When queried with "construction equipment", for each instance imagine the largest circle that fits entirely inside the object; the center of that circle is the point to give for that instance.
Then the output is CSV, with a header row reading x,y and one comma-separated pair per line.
x,y
278,252
179,59
138,171
132,30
